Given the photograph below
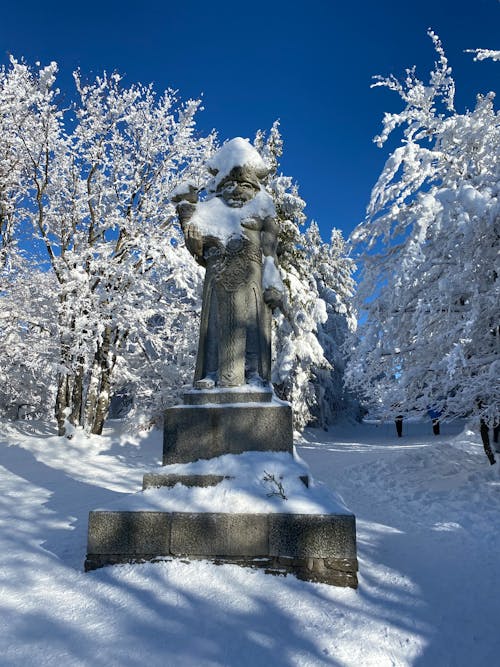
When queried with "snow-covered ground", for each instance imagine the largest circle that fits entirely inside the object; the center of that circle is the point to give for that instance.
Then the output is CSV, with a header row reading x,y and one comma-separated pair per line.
x,y
429,548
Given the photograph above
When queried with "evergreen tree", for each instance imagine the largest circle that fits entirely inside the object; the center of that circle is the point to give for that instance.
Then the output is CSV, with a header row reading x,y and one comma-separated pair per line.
x,y
309,331
332,270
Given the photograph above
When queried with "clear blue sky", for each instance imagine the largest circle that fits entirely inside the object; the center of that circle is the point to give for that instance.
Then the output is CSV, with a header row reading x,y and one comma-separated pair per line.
x,y
307,63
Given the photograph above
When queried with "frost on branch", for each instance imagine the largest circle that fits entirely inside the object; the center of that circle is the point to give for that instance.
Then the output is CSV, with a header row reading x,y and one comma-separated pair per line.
x,y
484,54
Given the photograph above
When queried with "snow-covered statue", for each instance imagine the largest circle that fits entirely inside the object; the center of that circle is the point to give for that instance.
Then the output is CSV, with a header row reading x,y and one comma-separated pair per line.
x,y
233,234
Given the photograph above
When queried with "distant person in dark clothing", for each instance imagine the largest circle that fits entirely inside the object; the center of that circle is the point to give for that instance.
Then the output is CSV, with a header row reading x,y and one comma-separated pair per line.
x,y
399,425
435,416
485,437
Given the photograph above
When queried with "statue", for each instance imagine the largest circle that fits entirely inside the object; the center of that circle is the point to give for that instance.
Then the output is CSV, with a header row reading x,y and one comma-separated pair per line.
x,y
233,234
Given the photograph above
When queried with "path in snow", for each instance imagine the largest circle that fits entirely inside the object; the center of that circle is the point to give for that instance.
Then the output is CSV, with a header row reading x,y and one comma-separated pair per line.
x,y
427,510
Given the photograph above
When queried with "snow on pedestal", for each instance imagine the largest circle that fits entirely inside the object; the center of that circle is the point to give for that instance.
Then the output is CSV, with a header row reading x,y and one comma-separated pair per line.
x,y
258,509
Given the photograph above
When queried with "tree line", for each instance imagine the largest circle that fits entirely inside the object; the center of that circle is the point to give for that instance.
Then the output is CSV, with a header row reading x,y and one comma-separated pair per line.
x,y
99,298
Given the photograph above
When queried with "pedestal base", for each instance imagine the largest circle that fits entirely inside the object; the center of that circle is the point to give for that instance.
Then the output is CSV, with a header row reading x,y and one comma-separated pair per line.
x,y
269,493
320,548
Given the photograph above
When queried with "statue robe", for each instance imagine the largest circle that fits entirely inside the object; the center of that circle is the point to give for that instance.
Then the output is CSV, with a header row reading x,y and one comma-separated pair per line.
x,y
235,329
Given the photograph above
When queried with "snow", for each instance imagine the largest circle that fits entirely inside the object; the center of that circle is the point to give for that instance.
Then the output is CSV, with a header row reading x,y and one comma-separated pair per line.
x,y
244,491
483,54
428,294
246,388
237,152
183,188
214,217
271,277
427,509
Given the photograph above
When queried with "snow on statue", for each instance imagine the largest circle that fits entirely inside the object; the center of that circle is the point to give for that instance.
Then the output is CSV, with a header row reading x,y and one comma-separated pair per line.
x,y
233,234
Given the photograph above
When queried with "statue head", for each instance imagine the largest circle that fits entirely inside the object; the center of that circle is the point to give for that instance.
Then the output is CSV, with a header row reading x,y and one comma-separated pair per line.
x,y
238,187
238,168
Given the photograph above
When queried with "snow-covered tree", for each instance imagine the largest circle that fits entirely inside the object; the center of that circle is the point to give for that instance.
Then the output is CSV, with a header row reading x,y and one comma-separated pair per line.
x,y
160,353
317,276
14,104
430,280
296,349
28,331
332,270
94,185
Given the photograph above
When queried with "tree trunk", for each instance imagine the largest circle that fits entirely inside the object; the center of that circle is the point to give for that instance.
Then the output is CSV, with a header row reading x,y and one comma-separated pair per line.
x,y
102,407
107,359
75,417
92,393
62,400
64,387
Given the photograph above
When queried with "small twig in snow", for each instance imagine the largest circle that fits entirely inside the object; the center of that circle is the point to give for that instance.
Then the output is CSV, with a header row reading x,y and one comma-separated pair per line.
x,y
277,487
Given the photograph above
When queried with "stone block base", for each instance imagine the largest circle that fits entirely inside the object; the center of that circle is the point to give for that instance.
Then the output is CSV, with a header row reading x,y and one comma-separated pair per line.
x,y
230,395
318,548
153,480
205,431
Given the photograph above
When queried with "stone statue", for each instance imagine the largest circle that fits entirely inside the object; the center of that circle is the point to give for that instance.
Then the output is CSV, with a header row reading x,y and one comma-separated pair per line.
x,y
233,234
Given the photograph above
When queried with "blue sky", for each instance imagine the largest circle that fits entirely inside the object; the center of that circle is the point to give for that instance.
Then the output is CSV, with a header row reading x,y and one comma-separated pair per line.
x,y
307,63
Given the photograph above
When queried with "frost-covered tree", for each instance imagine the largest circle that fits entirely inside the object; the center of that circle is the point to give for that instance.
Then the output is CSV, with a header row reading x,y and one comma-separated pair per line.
x,y
94,187
28,332
332,270
160,355
296,349
26,303
430,281
317,277
14,104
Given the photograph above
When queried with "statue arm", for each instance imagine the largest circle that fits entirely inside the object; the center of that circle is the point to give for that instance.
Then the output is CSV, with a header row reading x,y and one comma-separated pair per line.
x,y
194,242
269,237
272,283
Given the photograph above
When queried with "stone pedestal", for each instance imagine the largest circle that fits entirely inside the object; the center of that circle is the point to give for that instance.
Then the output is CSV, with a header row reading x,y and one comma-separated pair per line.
x,y
318,547
211,424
